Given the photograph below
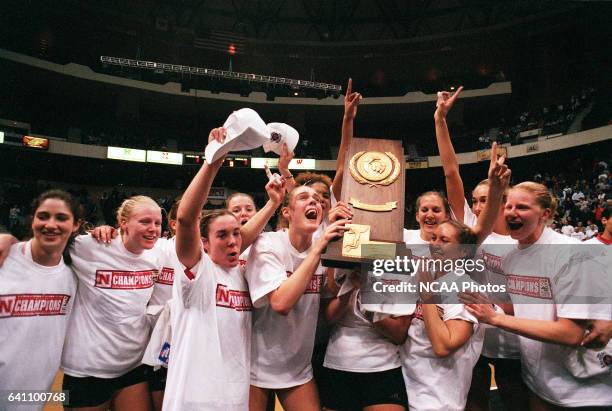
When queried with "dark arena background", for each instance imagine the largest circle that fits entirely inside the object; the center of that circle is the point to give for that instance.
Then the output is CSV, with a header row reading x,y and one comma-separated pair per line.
x,y
82,82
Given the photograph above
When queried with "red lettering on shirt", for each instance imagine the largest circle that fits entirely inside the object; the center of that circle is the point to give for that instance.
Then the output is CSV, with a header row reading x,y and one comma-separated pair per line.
x,y
418,312
493,263
233,299
166,276
314,285
536,287
124,280
31,305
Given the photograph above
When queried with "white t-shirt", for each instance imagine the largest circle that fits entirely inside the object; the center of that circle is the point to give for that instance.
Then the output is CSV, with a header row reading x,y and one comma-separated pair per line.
x,y
109,331
282,345
413,237
498,343
243,259
434,383
354,345
418,246
469,218
595,240
35,305
162,289
536,280
211,334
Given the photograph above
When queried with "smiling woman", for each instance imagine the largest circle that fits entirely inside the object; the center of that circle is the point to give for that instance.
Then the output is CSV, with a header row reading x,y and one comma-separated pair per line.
x,y
109,330
140,220
547,319
36,297
432,209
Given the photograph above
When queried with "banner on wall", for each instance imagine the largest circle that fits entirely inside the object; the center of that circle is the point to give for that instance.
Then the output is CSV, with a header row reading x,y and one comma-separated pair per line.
x,y
485,155
164,157
38,143
295,164
413,165
126,154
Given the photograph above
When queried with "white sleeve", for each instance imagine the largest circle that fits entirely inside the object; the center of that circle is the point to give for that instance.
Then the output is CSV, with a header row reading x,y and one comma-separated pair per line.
x,y
347,283
325,291
332,198
265,271
469,218
83,246
457,312
583,287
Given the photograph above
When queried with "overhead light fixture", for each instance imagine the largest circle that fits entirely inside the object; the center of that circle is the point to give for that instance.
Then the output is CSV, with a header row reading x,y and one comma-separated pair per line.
x,y
160,68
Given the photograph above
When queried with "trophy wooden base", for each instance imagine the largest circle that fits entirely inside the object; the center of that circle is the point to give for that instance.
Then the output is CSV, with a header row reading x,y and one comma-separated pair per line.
x,y
333,258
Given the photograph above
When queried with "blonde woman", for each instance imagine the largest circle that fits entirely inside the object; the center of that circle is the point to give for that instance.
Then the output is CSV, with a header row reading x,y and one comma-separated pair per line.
x,y
544,317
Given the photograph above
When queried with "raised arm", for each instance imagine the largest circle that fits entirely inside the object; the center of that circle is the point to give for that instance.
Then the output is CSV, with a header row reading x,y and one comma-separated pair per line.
x,y
249,232
351,101
499,179
188,241
450,165
289,292
283,167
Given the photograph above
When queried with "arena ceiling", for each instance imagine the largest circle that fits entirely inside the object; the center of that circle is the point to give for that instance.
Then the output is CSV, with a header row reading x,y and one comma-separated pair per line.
x,y
325,21
389,47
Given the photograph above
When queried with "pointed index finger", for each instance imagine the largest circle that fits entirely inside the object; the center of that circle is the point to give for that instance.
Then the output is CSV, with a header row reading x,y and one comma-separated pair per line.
x,y
267,170
349,87
456,95
493,155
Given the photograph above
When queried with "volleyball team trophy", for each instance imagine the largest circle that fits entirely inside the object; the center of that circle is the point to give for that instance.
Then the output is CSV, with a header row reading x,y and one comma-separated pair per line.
x,y
374,184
